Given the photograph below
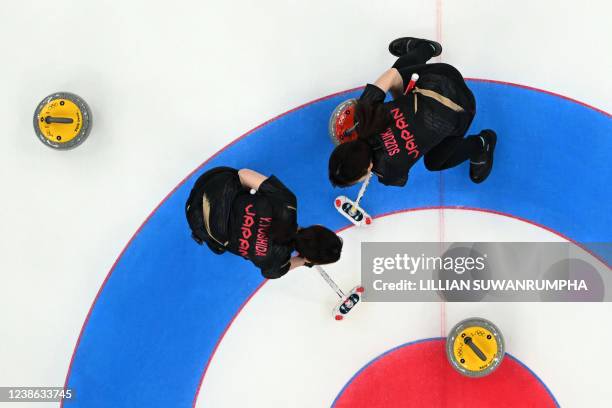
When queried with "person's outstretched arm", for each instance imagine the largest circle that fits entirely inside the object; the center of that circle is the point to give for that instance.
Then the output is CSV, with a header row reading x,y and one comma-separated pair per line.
x,y
391,80
275,271
296,262
250,178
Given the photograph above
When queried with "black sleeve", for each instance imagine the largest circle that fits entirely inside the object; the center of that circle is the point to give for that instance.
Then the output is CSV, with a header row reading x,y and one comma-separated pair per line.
x,y
394,180
280,262
391,175
273,187
372,94
388,173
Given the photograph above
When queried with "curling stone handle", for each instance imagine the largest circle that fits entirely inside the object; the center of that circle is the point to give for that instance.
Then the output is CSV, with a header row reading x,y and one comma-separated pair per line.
x,y
475,349
51,119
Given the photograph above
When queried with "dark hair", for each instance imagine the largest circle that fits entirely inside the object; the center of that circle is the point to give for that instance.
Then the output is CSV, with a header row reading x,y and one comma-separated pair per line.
x,y
318,244
350,160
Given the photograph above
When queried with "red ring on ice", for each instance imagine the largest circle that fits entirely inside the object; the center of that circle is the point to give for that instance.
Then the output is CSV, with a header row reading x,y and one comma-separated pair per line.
x,y
417,374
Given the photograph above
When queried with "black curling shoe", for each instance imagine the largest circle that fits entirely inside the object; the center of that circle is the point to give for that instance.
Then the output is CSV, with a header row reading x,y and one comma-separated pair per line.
x,y
481,167
402,45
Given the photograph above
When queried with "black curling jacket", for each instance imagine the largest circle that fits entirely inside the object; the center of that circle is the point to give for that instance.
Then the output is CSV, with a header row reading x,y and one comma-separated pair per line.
x,y
440,106
229,217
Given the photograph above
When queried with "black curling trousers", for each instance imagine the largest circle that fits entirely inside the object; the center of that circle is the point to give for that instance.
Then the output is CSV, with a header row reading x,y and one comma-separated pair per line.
x,y
452,150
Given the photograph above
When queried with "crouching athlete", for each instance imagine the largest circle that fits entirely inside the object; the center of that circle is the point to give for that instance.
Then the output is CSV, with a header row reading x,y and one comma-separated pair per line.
x,y
427,119
248,214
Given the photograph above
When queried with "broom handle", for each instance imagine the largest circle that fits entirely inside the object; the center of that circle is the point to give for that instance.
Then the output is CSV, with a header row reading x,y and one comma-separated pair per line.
x,y
330,282
363,188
